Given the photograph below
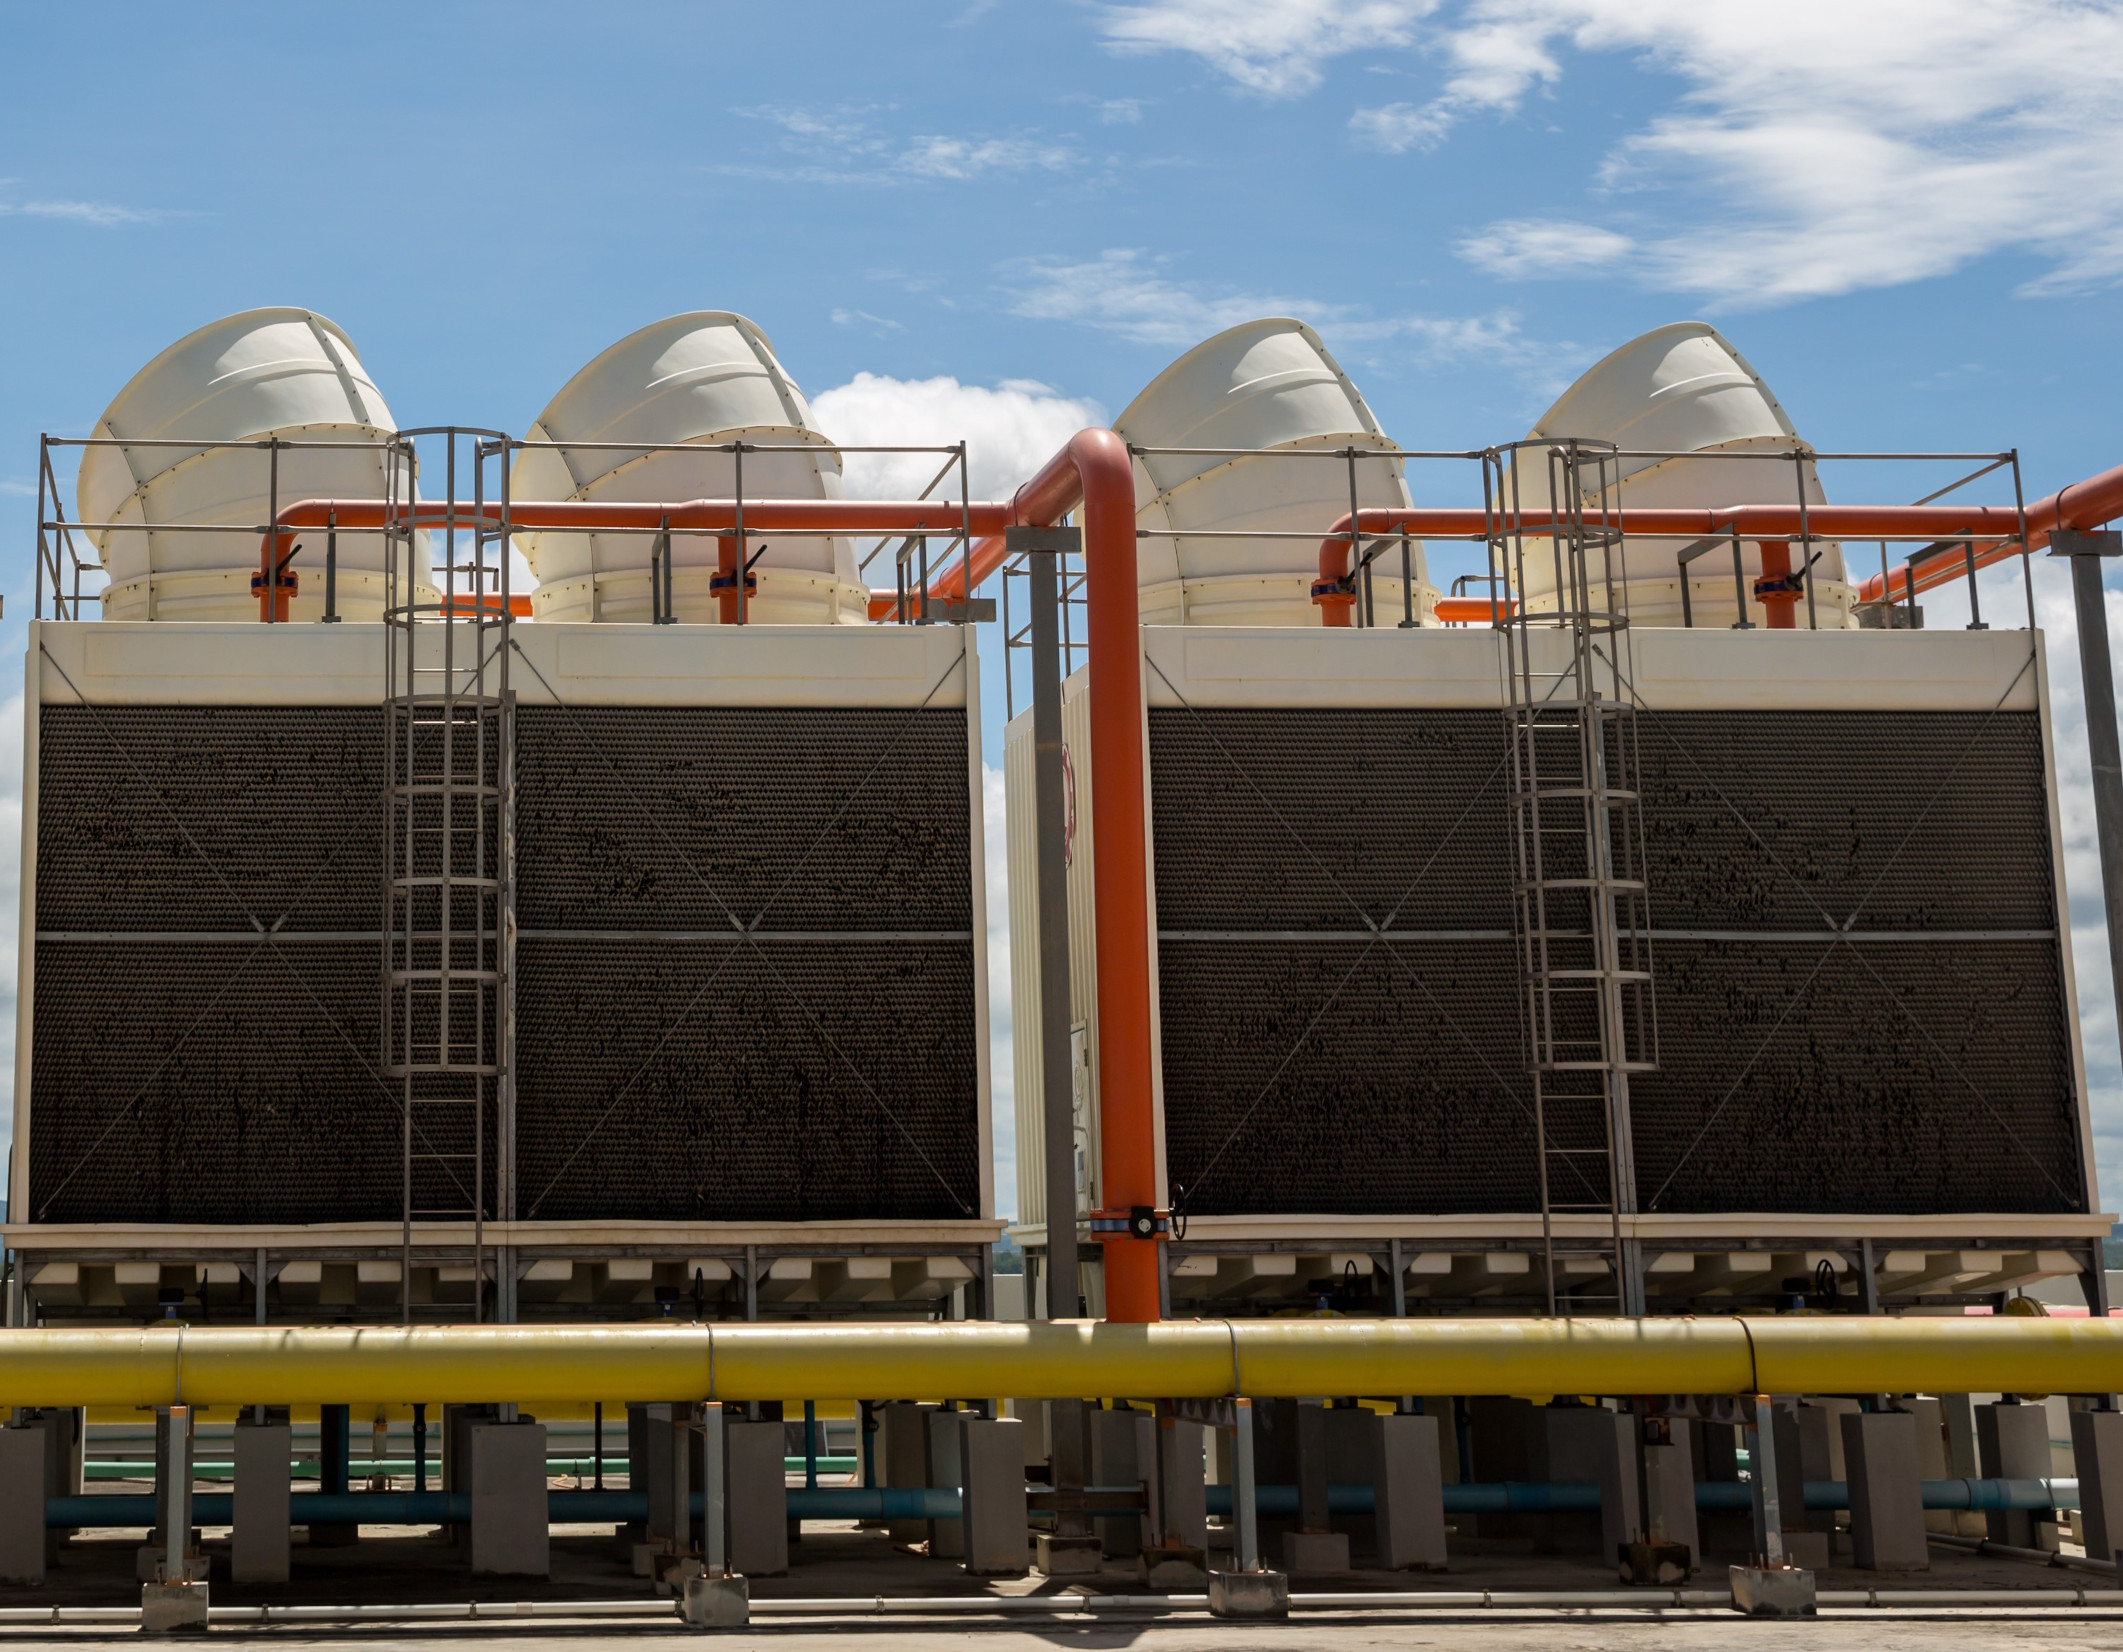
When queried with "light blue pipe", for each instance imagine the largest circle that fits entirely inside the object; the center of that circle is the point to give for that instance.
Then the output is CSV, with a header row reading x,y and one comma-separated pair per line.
x,y
436,1508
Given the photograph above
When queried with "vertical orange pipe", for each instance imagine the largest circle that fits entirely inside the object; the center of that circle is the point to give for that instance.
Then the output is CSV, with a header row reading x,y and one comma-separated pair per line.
x,y
1094,470
1777,598
729,559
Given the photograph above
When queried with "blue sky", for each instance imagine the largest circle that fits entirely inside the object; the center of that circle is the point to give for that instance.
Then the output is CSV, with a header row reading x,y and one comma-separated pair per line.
x,y
999,220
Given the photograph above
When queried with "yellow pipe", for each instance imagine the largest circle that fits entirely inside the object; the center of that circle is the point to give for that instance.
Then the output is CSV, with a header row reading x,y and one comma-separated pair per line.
x,y
548,1365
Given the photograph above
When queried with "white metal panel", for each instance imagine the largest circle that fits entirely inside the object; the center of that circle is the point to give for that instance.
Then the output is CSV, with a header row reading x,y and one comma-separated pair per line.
x,y
1684,388
701,379
279,372
641,665
1268,384
1676,670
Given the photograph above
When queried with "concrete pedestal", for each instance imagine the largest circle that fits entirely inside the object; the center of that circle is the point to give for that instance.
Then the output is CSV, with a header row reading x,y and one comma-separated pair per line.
x,y
996,1532
1773,1592
902,1431
508,1490
1669,1496
1886,1493
1182,1500
25,1471
715,1602
2012,1443
258,1545
1821,1438
1065,1556
1592,1443
172,1608
2097,1454
1408,1490
1249,1595
1931,1454
1315,1554
758,1499
947,1538
1164,1567
1963,1462
1123,1453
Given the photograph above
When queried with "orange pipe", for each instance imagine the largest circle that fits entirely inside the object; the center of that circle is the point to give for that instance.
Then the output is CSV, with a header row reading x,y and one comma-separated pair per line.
x,y
1473,610
2082,505
2089,504
1774,591
1092,471
824,516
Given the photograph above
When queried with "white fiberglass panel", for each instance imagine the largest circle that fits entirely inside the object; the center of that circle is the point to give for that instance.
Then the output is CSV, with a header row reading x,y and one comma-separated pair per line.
x,y
1271,389
271,373
1685,389
697,381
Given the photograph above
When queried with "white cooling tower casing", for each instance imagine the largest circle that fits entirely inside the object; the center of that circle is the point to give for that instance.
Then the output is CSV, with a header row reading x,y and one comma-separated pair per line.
x,y
702,379
1684,388
1268,384
288,373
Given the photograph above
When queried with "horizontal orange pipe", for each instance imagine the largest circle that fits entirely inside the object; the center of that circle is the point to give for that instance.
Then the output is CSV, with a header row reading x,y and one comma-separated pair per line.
x,y
823,516
1471,610
2083,505
2089,504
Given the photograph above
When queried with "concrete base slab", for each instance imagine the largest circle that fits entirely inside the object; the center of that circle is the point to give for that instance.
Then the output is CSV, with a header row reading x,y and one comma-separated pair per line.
x,y
715,1602
1173,1566
1249,1595
1661,1564
645,1557
1773,1591
672,1571
1065,1556
172,1608
1315,1554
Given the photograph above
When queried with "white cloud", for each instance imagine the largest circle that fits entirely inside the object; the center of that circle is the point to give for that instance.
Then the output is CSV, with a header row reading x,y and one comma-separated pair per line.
x,y
942,157
1010,431
878,324
1122,291
1819,147
1278,48
1522,247
845,145
1793,151
1126,292
103,214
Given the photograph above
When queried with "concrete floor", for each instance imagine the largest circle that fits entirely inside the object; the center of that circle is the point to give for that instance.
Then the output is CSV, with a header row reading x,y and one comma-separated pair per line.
x,y
1852,1631
396,1567
840,1560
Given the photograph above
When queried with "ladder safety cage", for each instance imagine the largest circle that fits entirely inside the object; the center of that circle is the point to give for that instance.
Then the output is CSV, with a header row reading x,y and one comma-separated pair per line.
x,y
448,892
1580,907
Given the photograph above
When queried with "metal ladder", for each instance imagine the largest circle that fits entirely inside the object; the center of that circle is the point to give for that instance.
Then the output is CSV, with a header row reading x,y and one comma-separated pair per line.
x,y
1580,909
448,861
